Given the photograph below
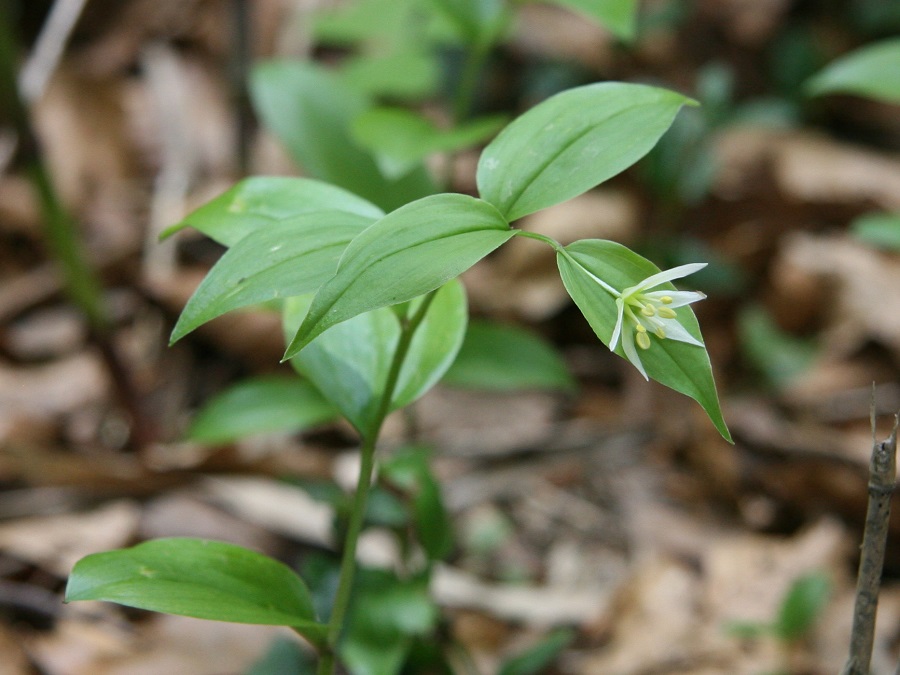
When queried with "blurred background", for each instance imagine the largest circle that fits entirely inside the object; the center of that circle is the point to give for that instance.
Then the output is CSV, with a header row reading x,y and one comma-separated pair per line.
x,y
591,501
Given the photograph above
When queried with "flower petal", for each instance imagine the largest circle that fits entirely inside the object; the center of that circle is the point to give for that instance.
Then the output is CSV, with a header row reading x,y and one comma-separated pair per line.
x,y
679,298
675,331
666,275
617,331
632,354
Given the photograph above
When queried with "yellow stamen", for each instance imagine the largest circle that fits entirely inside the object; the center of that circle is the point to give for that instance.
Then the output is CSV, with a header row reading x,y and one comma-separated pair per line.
x,y
642,339
666,313
647,310
660,333
666,300
640,329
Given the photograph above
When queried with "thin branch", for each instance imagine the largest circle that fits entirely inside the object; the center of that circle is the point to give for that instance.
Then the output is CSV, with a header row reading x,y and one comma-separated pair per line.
x,y
882,482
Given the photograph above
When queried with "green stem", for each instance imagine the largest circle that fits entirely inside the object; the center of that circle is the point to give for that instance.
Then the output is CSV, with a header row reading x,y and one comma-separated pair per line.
x,y
465,93
358,509
555,245
80,282
468,81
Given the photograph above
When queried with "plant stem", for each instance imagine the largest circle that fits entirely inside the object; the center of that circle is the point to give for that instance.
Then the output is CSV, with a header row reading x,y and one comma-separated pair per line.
x,y
358,508
555,245
468,81
82,285
882,477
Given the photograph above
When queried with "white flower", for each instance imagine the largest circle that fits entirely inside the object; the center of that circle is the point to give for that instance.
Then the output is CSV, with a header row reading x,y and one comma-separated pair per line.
x,y
643,312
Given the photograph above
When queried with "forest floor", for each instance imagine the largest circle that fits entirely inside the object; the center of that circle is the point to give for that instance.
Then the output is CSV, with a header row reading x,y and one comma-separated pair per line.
x,y
616,510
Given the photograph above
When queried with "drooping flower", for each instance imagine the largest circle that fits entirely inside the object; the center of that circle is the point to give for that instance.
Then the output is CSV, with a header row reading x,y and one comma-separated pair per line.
x,y
643,312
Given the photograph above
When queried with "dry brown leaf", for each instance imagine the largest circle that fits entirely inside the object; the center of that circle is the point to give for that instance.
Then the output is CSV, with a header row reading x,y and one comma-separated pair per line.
x,y
180,514
13,660
167,644
53,389
549,31
56,543
529,604
807,167
280,508
865,301
671,618
474,423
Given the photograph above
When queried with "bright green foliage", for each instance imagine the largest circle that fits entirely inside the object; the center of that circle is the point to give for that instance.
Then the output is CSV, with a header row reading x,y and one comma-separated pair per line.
x,y
506,358
534,660
387,613
402,139
375,316
779,356
311,110
475,21
287,258
409,472
350,362
872,71
198,578
284,656
411,251
260,405
881,230
572,142
261,201
802,606
683,367
407,75
620,16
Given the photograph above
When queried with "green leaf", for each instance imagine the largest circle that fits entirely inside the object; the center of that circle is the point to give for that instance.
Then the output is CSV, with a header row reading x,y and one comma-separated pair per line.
x,y
404,74
507,358
349,363
619,16
534,660
409,471
310,110
199,578
681,366
401,138
881,230
802,606
409,252
385,614
779,356
260,405
475,21
379,21
286,258
261,201
284,656
872,71
571,142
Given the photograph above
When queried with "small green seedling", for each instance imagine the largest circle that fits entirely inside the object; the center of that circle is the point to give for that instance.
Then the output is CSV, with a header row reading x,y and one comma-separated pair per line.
x,y
800,609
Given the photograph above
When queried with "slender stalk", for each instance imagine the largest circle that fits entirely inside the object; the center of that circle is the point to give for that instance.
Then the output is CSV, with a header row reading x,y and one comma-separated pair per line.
x,y
555,245
358,509
468,81
882,477
82,286
464,96
241,58
81,283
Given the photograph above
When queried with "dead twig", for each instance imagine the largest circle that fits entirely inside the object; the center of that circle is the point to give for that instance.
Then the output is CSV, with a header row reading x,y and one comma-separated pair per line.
x,y
48,49
882,482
